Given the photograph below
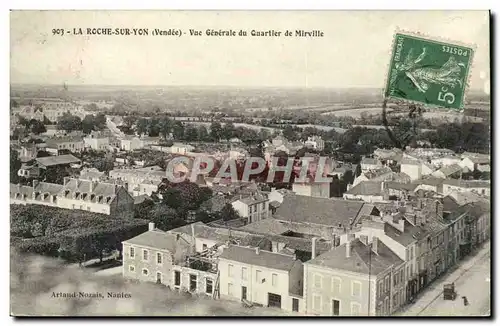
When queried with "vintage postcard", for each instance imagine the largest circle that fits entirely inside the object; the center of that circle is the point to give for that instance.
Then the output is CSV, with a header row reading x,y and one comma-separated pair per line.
x,y
250,163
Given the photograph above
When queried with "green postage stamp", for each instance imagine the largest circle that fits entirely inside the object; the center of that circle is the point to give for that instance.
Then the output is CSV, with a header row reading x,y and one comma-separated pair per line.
x,y
427,71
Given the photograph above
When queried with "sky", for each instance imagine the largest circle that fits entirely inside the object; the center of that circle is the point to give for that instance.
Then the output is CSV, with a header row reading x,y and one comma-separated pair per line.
x,y
354,51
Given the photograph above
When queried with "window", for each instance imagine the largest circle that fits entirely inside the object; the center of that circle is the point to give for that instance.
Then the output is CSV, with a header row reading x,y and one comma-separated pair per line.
x,y
274,279
317,302
230,289
131,268
258,276
244,273
230,270
335,307
380,287
177,278
193,282
295,304
411,253
336,285
355,309
145,272
204,247
387,283
132,252
317,281
159,258
158,278
209,286
145,254
355,288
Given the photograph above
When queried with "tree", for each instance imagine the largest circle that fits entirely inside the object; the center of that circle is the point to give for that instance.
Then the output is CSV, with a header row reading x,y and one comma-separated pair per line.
x,y
289,133
130,120
37,127
100,121
264,134
56,174
216,131
46,121
178,130
88,124
141,126
69,122
229,213
228,131
165,126
15,165
202,133
191,133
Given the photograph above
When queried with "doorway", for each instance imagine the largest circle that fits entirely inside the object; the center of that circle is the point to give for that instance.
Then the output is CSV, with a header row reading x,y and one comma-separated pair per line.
x,y
243,293
274,300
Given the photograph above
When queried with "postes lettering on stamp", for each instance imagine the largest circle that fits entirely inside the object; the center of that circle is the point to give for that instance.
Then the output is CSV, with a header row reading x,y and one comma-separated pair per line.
x,y
429,72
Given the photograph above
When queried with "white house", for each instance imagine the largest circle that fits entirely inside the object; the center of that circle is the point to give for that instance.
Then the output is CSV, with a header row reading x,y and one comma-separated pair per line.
x,y
261,277
254,207
416,169
368,191
179,148
311,188
130,143
315,142
97,141
475,162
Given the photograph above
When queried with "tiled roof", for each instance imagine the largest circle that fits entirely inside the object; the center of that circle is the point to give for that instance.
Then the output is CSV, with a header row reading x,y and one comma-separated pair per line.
x,y
468,183
401,186
322,211
450,169
263,258
463,198
410,161
362,259
366,188
88,174
450,204
266,226
57,160
204,231
411,233
53,142
96,192
430,182
378,172
257,198
155,239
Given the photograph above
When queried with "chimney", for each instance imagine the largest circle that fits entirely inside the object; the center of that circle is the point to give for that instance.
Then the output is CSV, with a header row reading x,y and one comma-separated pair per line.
x,y
151,226
382,186
35,184
313,250
375,245
257,250
350,238
65,180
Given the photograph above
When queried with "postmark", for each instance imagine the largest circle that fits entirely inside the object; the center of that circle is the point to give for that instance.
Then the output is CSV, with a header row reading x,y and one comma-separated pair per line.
x,y
429,71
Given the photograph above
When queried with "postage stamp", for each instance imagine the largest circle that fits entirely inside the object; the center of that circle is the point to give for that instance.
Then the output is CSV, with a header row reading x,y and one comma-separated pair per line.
x,y
427,71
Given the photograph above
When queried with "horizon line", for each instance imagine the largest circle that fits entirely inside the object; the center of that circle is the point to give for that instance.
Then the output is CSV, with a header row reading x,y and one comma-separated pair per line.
x,y
222,86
